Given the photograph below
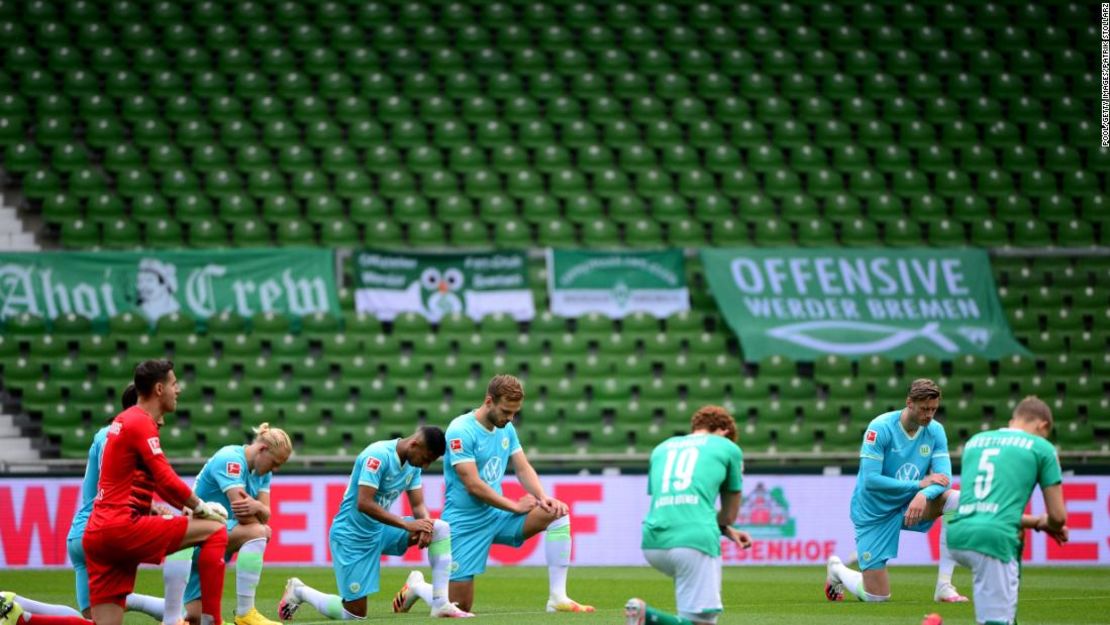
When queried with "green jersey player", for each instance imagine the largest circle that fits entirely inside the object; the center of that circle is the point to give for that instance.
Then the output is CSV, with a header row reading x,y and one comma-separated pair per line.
x,y
1000,469
683,530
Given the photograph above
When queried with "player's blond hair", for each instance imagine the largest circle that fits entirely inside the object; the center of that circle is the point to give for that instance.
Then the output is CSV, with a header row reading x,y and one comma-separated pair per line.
x,y
712,418
274,438
1033,408
506,387
923,388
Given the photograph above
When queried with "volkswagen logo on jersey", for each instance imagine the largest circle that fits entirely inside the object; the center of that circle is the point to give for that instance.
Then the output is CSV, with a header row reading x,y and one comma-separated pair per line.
x,y
492,471
908,473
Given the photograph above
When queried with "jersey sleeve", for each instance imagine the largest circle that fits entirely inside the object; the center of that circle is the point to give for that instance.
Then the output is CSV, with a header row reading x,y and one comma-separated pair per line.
x,y
142,439
415,483
514,440
92,470
460,445
734,480
1048,465
264,483
370,473
875,440
227,472
940,462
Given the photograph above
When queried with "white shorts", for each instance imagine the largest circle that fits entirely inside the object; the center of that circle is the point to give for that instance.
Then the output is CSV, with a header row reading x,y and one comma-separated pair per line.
x,y
994,586
697,581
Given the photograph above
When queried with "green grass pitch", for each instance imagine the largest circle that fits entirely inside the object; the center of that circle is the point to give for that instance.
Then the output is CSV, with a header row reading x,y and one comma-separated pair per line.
x,y
752,596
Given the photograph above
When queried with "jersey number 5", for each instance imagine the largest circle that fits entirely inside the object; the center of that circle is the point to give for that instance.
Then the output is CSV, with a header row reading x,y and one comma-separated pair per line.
x,y
680,467
984,479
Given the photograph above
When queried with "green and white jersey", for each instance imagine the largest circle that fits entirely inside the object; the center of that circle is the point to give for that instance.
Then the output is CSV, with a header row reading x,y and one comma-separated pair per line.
x,y
1000,469
686,475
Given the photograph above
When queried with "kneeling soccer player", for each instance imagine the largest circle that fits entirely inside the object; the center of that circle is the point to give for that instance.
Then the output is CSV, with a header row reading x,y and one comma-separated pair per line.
x,y
365,529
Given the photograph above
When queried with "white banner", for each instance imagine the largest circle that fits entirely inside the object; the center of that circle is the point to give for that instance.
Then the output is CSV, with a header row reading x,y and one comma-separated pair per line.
x,y
795,519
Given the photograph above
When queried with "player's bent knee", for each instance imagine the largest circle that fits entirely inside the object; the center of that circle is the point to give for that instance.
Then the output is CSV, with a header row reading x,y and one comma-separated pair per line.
x,y
440,529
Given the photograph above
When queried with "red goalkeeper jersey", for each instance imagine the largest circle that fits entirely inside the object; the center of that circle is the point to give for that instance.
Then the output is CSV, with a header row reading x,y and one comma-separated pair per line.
x,y
132,469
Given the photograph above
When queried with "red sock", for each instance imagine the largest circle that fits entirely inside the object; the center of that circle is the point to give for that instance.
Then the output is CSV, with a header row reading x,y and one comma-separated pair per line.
x,y
42,619
211,564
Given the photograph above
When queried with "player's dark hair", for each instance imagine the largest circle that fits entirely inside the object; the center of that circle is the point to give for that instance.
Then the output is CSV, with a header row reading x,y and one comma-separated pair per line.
x,y
713,418
506,387
1032,408
149,373
129,397
434,439
923,388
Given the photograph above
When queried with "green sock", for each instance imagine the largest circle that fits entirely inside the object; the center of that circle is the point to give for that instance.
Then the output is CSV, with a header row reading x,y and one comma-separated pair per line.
x,y
655,617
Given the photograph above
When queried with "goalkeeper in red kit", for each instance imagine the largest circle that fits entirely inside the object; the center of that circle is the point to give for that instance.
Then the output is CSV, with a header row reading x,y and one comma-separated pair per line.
x,y
121,533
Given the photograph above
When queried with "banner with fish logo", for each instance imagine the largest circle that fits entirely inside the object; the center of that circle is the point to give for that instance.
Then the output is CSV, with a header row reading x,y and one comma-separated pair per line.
x,y
805,303
617,284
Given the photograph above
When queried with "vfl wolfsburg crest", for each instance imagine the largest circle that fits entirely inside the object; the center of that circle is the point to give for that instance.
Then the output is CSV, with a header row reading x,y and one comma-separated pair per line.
x,y
437,285
807,303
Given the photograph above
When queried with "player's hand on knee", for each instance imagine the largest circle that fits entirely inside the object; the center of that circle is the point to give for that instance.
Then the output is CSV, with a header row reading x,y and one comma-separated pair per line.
x,y
525,504
554,506
417,526
916,510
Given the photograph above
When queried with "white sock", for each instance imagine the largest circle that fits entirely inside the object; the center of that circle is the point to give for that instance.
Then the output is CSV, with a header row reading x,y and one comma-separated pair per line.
x,y
947,564
556,546
248,570
45,609
425,591
154,607
175,576
330,606
853,582
439,556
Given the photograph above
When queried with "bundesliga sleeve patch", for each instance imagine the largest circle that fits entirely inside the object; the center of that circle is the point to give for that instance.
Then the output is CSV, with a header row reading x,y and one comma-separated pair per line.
x,y
373,464
456,444
155,445
234,469
871,436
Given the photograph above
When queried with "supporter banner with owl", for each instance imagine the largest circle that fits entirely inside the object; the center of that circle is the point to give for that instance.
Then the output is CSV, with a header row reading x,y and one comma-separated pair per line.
x,y
616,284
388,284
806,303
200,284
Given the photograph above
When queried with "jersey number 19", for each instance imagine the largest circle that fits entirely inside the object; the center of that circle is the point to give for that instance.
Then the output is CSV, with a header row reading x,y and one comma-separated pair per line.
x,y
680,467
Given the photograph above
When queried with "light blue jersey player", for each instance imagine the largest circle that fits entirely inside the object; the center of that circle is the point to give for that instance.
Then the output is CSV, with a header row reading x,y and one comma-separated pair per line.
x,y
481,445
238,478
364,529
903,483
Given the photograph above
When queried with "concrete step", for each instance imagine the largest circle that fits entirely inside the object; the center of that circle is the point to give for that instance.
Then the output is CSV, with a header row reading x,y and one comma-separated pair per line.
x,y
8,428
18,242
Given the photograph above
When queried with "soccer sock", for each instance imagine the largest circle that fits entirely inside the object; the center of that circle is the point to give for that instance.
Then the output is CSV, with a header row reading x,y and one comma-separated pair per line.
x,y
947,564
439,556
55,619
853,583
655,617
175,576
45,609
151,606
556,546
248,569
330,606
211,564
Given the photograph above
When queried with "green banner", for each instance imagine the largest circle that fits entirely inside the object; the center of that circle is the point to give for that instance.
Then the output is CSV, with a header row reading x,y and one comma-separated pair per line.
x,y
617,283
99,285
434,285
805,303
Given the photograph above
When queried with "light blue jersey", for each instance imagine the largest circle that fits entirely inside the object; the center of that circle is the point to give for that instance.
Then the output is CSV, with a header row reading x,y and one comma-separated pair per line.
x,y
380,467
88,485
469,441
891,465
227,470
